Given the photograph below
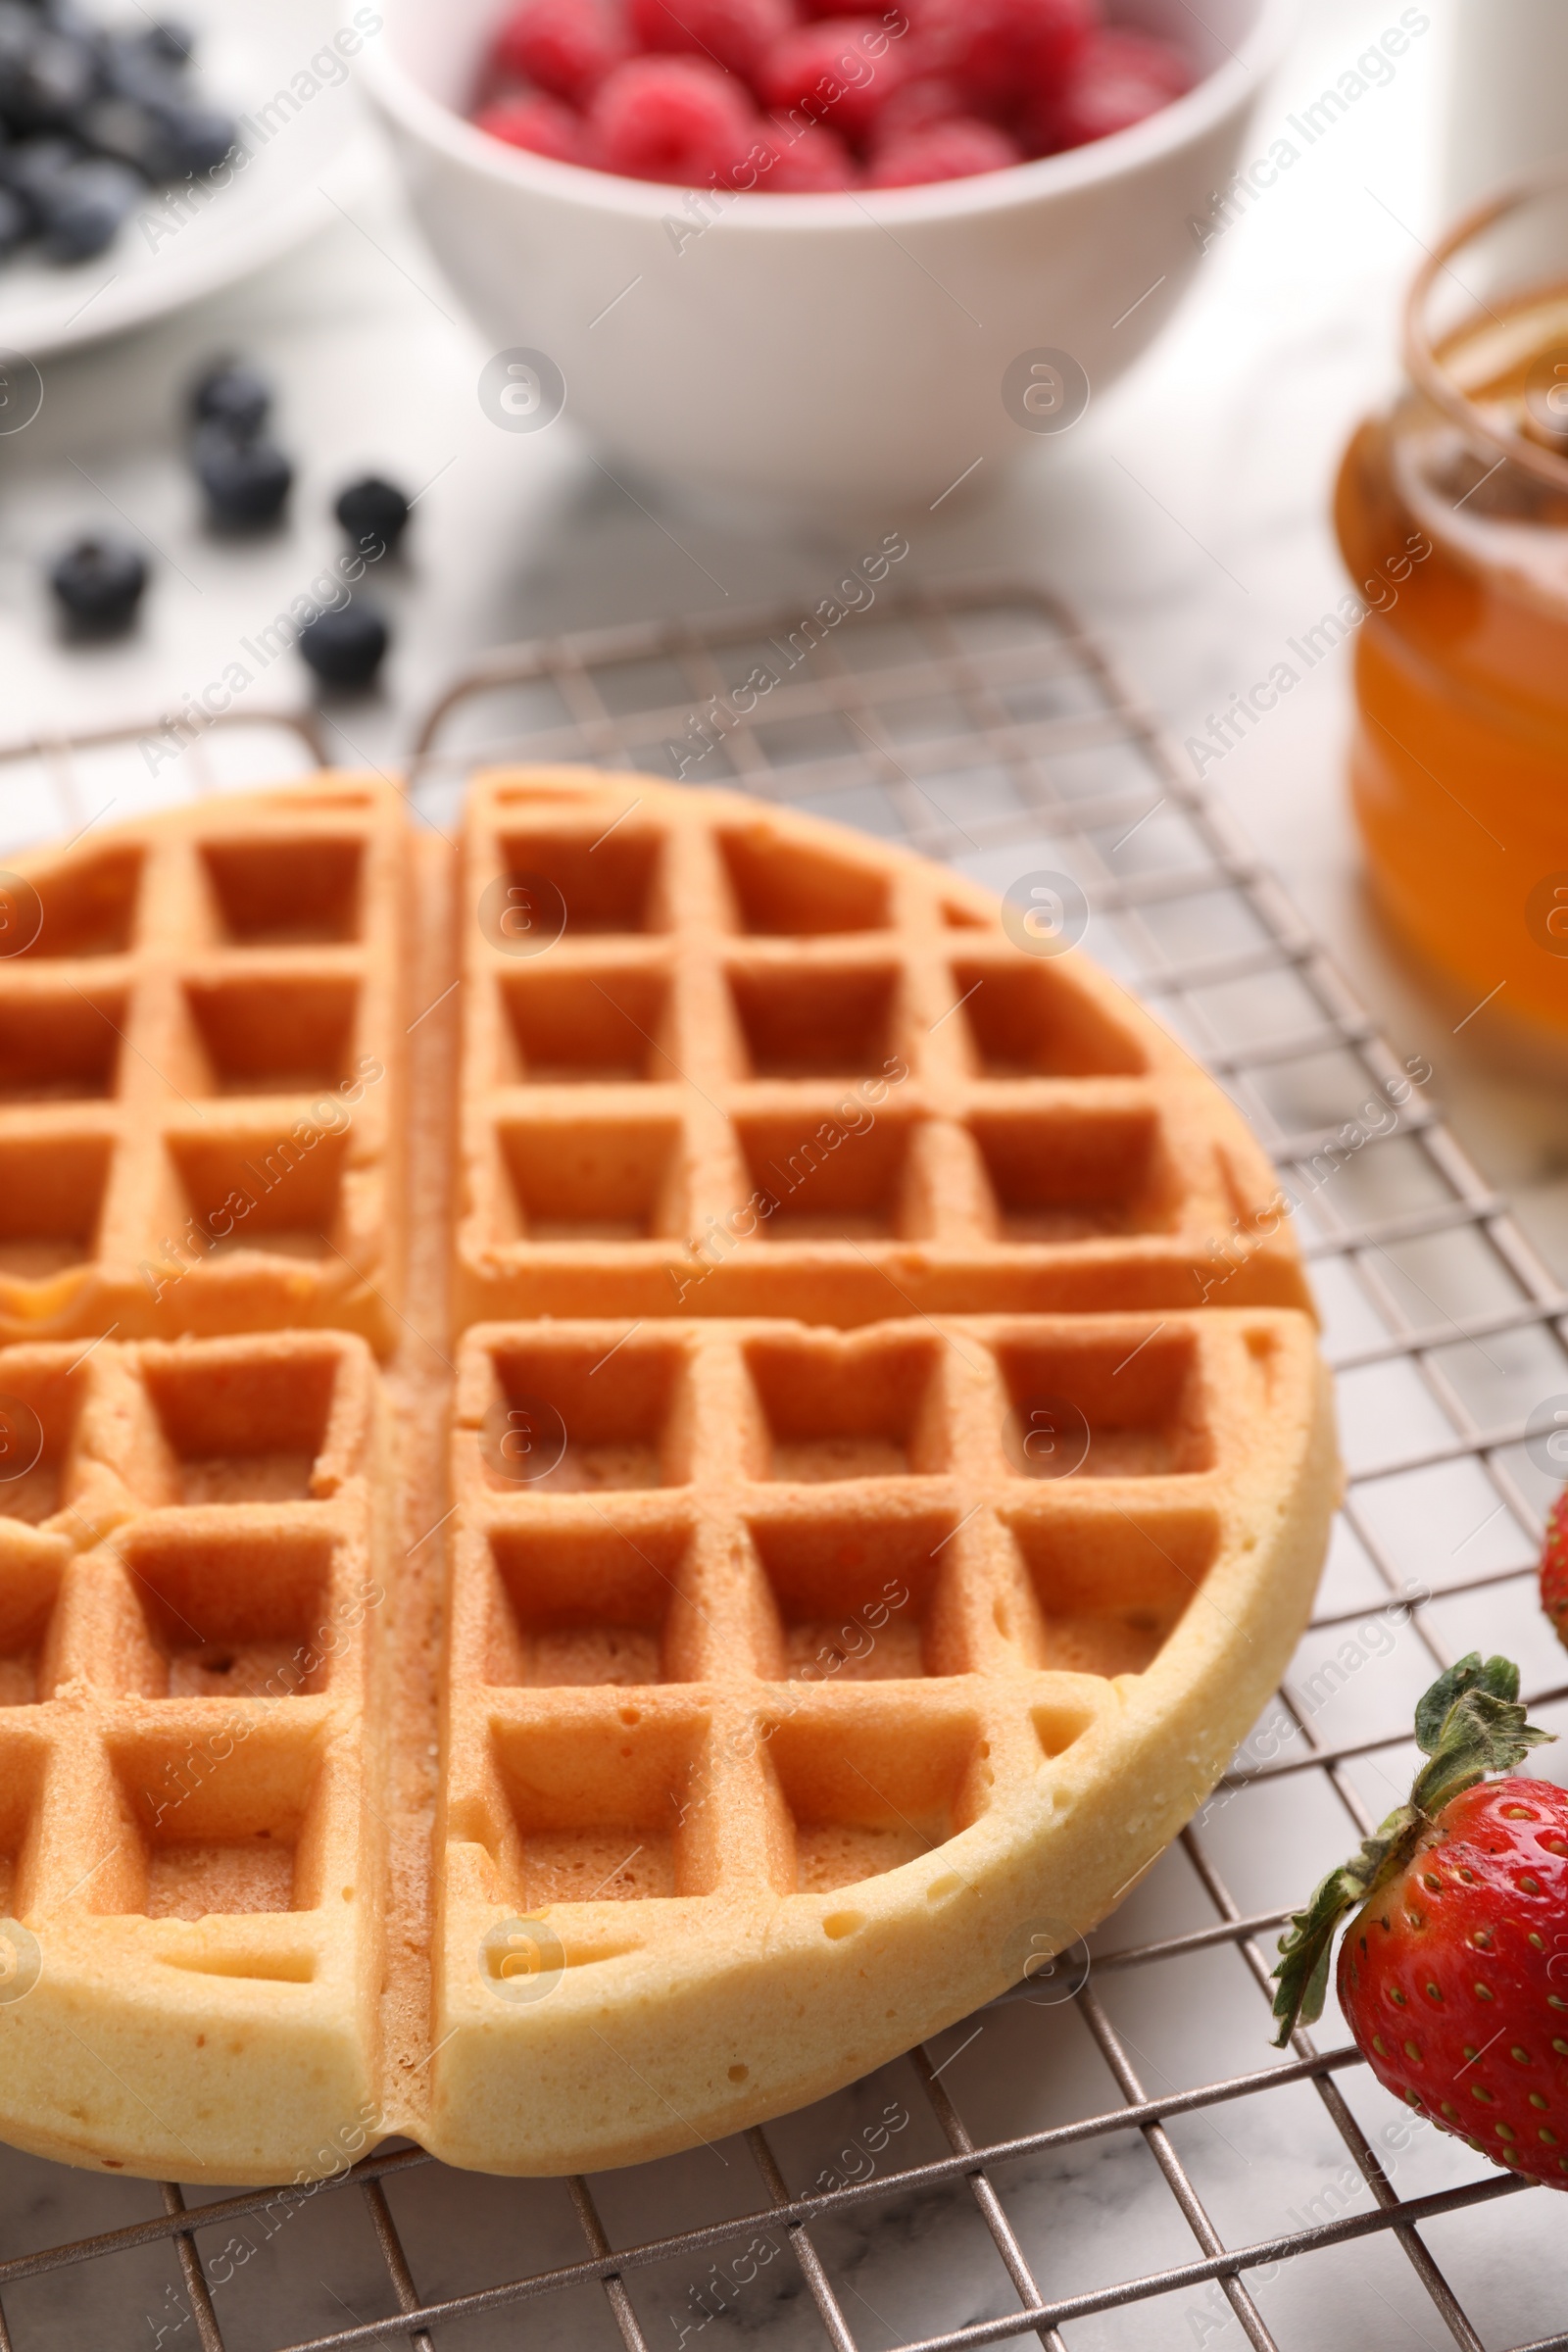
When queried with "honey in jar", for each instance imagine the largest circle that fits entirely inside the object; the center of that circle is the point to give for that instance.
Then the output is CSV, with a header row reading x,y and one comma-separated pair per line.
x,y
1455,508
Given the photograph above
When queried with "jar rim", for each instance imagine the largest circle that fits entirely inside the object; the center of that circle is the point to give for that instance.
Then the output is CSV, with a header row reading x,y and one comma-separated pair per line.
x,y
1422,363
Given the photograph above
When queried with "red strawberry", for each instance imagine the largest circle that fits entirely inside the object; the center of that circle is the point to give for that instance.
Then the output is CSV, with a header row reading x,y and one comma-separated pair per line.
x,y
1453,1977
1554,1567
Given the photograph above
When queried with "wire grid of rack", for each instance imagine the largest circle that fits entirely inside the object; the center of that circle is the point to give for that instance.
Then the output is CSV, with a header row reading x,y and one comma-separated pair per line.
x,y
979,724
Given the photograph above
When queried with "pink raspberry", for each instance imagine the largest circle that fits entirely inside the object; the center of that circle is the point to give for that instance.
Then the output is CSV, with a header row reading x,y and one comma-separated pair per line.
x,y
564,46
997,49
675,119
841,72
957,149
543,124
916,105
809,163
734,33
1120,79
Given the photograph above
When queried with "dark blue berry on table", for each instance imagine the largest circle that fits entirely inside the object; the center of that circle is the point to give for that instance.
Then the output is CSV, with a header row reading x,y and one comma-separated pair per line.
x,y
98,584
346,644
247,483
233,394
375,514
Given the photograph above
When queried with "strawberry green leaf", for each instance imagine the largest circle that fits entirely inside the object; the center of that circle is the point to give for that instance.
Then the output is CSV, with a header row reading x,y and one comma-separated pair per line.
x,y
1308,1945
1499,1676
1470,1724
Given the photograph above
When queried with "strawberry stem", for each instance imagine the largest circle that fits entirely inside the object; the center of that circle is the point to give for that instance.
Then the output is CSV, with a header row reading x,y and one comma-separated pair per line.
x,y
1469,1724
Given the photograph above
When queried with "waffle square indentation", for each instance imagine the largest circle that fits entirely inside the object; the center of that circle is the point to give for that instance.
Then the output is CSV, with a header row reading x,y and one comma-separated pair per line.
x,y
585,1604
606,882
566,1025
849,1410
284,1034
1022,1023
828,1178
869,1791
862,1595
1073,1175
40,1400
230,1609
275,1190
1112,1586
598,1798
52,1189
215,1825
1135,1405
271,890
573,1418
247,1426
815,1020
60,1046
595,1179
794,890
88,908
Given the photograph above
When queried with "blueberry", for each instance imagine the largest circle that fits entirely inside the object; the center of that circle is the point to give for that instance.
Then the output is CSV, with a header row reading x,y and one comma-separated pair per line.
x,y
16,221
345,644
98,583
375,514
130,67
247,480
82,211
194,138
32,169
233,394
171,40
127,132
42,87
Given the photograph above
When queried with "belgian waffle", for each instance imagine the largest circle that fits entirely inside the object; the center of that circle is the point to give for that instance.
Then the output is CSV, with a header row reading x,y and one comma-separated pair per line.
x,y
201,1054
693,1664
721,1060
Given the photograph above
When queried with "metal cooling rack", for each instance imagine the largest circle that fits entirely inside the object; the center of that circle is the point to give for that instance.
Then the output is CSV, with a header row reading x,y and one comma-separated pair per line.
x,y
1110,2166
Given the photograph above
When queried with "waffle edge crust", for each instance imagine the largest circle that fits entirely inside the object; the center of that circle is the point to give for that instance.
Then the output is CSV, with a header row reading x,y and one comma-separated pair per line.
x,y
728,1504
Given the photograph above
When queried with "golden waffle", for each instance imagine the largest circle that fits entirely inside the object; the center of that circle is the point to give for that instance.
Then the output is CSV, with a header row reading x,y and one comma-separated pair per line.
x,y
723,1061
191,1751
597,1730
793,1712
201,1048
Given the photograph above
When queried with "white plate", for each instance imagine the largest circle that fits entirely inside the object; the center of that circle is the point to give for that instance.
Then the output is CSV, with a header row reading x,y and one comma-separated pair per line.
x,y
258,58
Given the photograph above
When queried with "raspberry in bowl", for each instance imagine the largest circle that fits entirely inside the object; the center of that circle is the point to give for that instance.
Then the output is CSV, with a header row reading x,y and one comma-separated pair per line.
x,y
796,248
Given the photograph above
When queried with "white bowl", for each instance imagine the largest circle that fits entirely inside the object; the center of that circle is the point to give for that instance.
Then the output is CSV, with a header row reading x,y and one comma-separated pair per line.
x,y
847,347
